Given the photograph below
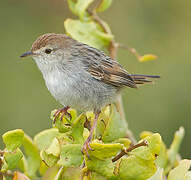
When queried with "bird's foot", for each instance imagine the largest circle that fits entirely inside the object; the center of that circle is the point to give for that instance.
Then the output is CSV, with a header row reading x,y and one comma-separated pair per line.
x,y
63,112
87,146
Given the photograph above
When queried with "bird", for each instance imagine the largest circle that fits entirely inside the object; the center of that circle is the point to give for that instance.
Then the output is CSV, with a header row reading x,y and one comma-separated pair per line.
x,y
80,76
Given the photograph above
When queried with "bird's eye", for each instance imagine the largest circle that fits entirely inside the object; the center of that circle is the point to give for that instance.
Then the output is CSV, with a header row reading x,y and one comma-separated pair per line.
x,y
48,51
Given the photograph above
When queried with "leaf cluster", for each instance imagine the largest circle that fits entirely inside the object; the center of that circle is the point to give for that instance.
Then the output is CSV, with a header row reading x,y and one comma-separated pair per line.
x,y
60,148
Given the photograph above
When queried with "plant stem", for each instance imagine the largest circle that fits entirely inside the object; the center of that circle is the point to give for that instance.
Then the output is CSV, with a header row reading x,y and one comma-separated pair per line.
x,y
125,151
131,50
59,174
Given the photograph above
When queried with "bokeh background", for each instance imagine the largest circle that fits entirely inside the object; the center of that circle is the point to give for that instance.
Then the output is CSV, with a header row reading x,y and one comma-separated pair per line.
x,y
162,27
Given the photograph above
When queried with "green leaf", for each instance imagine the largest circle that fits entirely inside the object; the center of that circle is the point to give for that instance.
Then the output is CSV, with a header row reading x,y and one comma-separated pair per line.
x,y
147,57
43,139
54,148
49,159
71,4
154,143
135,168
51,174
88,32
79,7
145,134
172,152
144,153
151,151
12,159
103,5
33,157
43,167
179,173
125,141
115,126
174,148
70,155
140,162
13,139
73,114
158,175
78,129
103,167
103,151
74,174
162,159
22,165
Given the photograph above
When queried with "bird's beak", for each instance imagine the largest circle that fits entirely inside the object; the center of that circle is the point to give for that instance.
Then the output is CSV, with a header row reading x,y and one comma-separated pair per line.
x,y
28,53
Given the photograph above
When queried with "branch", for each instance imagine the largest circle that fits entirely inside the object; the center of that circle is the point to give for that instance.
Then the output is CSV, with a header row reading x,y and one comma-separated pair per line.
x,y
59,174
126,151
131,50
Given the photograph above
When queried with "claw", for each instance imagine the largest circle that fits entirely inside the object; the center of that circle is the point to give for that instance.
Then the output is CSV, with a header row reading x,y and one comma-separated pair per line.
x,y
63,111
68,114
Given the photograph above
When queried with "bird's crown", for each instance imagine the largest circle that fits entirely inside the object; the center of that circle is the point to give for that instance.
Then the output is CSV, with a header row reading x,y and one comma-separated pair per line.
x,y
50,38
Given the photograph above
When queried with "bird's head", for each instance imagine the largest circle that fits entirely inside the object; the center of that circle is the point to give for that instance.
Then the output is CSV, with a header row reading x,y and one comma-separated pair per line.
x,y
49,48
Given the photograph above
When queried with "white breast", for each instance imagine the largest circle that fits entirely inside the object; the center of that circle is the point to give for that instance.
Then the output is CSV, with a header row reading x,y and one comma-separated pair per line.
x,y
76,88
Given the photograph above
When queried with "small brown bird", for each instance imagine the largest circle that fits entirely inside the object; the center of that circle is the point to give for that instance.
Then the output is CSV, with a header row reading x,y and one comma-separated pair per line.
x,y
80,76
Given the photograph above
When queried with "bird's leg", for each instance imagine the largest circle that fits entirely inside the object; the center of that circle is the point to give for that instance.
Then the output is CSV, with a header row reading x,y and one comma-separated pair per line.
x,y
86,145
63,111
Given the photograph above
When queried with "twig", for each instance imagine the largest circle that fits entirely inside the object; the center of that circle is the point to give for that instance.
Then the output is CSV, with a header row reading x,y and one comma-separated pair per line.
x,y
125,151
113,49
59,174
97,19
131,50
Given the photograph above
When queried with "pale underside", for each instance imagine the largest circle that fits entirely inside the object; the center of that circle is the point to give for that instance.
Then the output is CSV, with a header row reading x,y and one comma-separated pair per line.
x,y
76,87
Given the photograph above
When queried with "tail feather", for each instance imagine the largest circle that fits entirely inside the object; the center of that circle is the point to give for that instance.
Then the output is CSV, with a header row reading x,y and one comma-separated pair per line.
x,y
143,79
144,76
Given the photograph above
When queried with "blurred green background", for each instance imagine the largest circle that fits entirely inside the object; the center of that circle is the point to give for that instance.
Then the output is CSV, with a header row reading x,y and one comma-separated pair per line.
x,y
161,27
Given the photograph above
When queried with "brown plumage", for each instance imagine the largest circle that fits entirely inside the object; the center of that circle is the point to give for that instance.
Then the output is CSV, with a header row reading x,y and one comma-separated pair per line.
x,y
112,73
51,38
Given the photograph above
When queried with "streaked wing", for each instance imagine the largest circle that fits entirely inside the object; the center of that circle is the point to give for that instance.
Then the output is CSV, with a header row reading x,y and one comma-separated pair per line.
x,y
105,69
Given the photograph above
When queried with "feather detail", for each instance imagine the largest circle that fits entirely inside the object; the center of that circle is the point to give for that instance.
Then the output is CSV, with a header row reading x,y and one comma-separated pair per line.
x,y
109,71
143,79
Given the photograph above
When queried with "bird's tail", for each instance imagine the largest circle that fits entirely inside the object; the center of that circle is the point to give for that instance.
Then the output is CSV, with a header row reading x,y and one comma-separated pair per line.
x,y
143,79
